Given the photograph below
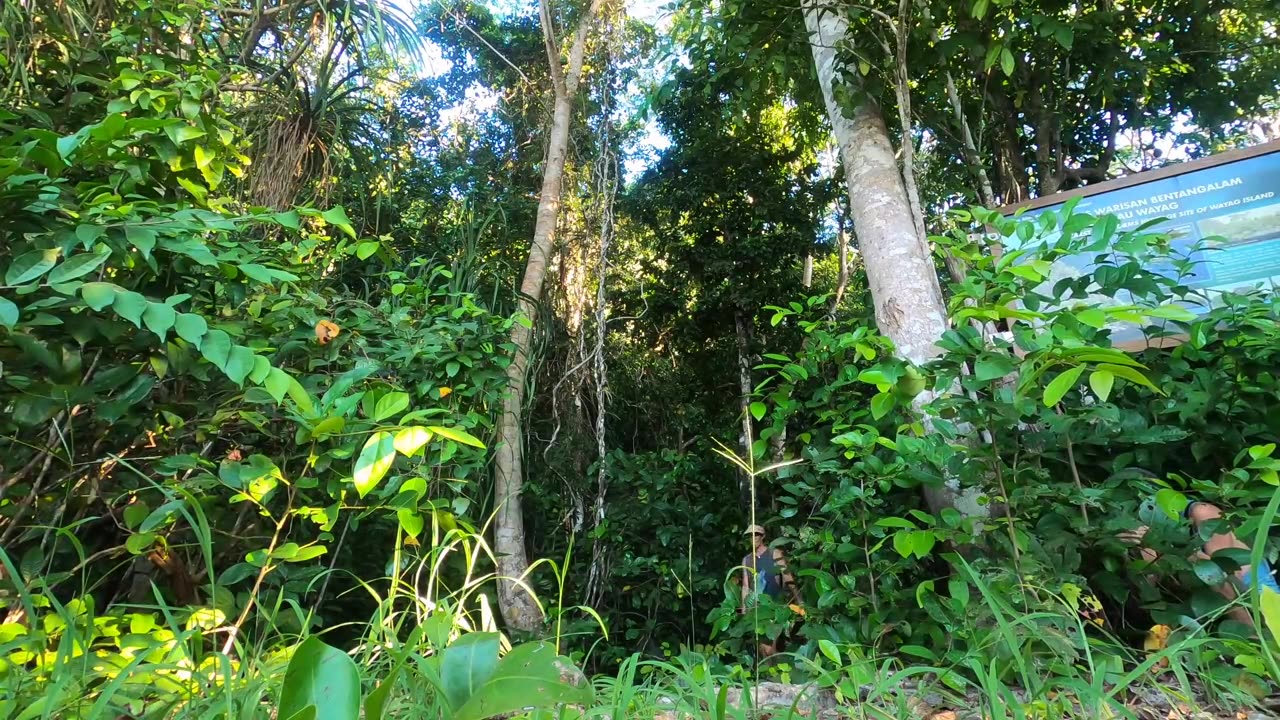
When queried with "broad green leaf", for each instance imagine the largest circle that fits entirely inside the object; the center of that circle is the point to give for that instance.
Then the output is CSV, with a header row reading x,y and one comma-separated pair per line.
x,y
203,157
323,678
882,403
8,313
239,364
130,306
134,513
410,521
530,676
300,396
236,573
329,426
70,143
390,405
1171,502
310,552
161,515
143,238
993,367
409,441
98,295
1101,381
288,219
366,249
337,216
277,383
191,327
1061,385
375,460
77,266
466,665
904,543
456,435
216,347
159,318
1093,317
1209,573
758,410
830,650
30,266
261,367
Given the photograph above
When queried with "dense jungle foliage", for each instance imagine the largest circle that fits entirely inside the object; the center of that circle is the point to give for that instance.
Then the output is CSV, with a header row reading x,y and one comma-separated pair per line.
x,y
262,298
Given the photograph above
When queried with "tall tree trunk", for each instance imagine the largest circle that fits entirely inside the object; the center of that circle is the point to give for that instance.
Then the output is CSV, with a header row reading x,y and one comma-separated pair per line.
x,y
744,399
518,607
900,270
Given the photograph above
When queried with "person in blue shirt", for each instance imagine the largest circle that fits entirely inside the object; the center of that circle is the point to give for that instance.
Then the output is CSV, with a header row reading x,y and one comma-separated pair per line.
x,y
765,574
1195,515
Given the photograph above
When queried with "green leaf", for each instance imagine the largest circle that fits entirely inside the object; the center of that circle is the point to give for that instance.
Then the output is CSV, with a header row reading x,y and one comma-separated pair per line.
x,y
882,403
980,8
68,145
236,573
261,367
366,249
409,441
288,219
375,460
1006,62
830,650
1101,382
143,238
277,384
203,157
456,435
29,266
77,266
239,364
337,216
1065,36
323,678
191,327
98,295
1171,502
159,318
410,521
390,405
1054,392
161,515
466,665
1164,312
216,347
993,367
130,306
1270,602
1209,573
376,703
531,675
1103,230
904,543
8,313
758,410
134,513
1093,317
1130,374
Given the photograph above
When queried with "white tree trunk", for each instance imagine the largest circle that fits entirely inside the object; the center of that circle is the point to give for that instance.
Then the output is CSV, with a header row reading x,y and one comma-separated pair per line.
x,y
518,606
900,270
904,283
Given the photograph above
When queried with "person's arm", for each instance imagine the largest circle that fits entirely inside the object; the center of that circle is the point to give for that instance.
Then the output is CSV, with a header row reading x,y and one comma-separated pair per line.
x,y
788,581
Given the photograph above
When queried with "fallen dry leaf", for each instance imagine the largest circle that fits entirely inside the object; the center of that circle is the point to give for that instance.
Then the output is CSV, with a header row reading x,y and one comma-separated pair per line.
x,y
445,392
326,331
944,715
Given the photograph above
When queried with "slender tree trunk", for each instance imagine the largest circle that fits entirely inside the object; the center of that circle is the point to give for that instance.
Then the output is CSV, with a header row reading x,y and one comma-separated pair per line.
x,y
518,607
744,398
806,279
900,270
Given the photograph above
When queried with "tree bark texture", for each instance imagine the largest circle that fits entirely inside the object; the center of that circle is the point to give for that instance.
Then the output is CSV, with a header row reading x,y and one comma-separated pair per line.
x,y
900,270
904,284
519,609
